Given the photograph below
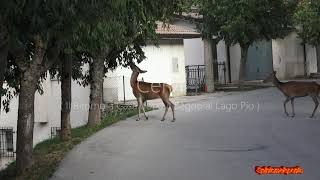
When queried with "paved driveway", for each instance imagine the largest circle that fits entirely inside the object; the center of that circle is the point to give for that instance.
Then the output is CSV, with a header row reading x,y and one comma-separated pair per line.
x,y
215,137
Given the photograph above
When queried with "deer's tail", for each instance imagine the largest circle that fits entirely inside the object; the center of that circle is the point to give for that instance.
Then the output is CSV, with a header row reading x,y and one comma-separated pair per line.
x,y
169,87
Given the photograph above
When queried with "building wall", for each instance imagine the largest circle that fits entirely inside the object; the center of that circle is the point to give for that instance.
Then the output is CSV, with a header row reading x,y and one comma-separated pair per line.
x,y
160,69
235,55
311,59
221,52
194,52
259,61
288,57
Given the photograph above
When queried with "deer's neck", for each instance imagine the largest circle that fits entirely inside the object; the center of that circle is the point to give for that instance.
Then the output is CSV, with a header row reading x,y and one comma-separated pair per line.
x,y
277,83
134,79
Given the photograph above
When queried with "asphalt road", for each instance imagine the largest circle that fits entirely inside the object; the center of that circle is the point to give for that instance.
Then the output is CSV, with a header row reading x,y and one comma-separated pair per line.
x,y
208,141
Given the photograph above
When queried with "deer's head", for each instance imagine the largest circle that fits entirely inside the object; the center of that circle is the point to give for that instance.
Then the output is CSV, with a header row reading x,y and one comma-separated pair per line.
x,y
135,68
271,77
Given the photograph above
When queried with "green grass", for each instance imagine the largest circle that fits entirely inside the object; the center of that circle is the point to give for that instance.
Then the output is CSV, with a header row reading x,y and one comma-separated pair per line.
x,y
48,154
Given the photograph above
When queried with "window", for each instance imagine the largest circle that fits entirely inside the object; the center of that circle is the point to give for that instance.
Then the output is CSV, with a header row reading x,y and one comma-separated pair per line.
x,y
175,65
6,142
55,132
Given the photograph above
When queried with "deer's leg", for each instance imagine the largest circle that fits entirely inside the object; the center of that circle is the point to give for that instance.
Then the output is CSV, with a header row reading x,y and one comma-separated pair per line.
x,y
165,113
316,102
139,104
144,112
172,108
168,104
292,105
284,105
166,110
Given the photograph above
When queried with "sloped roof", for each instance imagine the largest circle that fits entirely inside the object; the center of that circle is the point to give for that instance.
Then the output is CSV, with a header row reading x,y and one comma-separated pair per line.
x,y
176,31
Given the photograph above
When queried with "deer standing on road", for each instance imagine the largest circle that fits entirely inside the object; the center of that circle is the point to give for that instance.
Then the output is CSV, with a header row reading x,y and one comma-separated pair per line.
x,y
146,91
295,89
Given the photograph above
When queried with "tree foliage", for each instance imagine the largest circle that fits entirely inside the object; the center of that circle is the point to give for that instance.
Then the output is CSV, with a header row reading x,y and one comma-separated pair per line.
x,y
51,20
246,21
118,27
307,18
186,5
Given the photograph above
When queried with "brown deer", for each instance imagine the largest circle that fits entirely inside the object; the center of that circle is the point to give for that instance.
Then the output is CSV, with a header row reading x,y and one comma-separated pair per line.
x,y
295,89
146,91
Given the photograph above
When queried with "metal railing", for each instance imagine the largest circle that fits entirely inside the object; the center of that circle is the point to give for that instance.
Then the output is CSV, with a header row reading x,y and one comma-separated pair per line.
x,y
55,132
6,142
195,78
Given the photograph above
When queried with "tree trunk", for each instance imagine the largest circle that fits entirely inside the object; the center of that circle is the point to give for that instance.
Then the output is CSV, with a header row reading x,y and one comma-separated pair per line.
x,y
28,83
243,62
66,74
318,57
228,62
97,75
25,122
215,59
209,64
305,68
3,53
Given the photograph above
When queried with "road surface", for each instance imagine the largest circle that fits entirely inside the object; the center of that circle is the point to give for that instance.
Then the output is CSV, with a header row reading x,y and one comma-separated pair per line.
x,y
215,137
